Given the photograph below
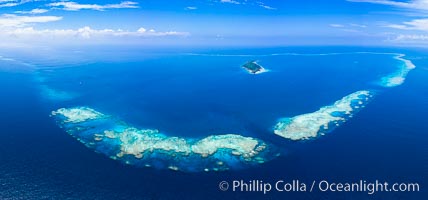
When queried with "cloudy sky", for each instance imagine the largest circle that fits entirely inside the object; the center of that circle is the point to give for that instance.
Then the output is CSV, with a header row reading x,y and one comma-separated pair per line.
x,y
215,22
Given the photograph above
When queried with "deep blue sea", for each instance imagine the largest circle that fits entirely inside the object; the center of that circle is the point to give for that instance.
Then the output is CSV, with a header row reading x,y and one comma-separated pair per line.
x,y
198,92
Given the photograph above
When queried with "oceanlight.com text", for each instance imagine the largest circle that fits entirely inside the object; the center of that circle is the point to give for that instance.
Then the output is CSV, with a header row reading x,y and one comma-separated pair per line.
x,y
369,187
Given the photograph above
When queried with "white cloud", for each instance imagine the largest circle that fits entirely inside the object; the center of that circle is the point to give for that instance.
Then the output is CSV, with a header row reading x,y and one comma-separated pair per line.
x,y
351,30
352,27
261,4
9,20
12,3
409,38
358,25
230,1
337,25
267,7
8,5
396,26
34,11
413,4
416,24
83,33
191,8
73,6
248,3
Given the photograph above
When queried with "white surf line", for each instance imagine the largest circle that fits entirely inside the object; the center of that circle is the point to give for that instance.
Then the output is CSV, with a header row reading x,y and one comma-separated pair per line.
x,y
6,59
291,54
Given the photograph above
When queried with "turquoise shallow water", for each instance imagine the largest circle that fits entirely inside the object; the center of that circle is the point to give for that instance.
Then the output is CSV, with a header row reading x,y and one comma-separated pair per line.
x,y
197,95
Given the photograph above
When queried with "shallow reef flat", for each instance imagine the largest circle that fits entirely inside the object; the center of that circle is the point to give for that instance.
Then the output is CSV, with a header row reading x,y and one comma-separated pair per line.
x,y
397,78
324,120
149,147
75,115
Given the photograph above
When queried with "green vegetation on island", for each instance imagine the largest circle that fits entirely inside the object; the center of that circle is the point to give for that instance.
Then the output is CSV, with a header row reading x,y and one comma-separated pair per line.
x,y
253,68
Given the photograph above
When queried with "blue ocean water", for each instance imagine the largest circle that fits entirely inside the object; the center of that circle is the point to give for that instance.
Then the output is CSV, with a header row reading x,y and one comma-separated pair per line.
x,y
196,93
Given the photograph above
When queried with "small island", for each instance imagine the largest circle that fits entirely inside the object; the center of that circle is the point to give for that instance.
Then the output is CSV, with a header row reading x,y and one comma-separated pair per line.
x,y
253,68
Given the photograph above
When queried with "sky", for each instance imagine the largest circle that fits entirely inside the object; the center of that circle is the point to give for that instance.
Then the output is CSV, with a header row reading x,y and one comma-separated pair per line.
x,y
214,22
